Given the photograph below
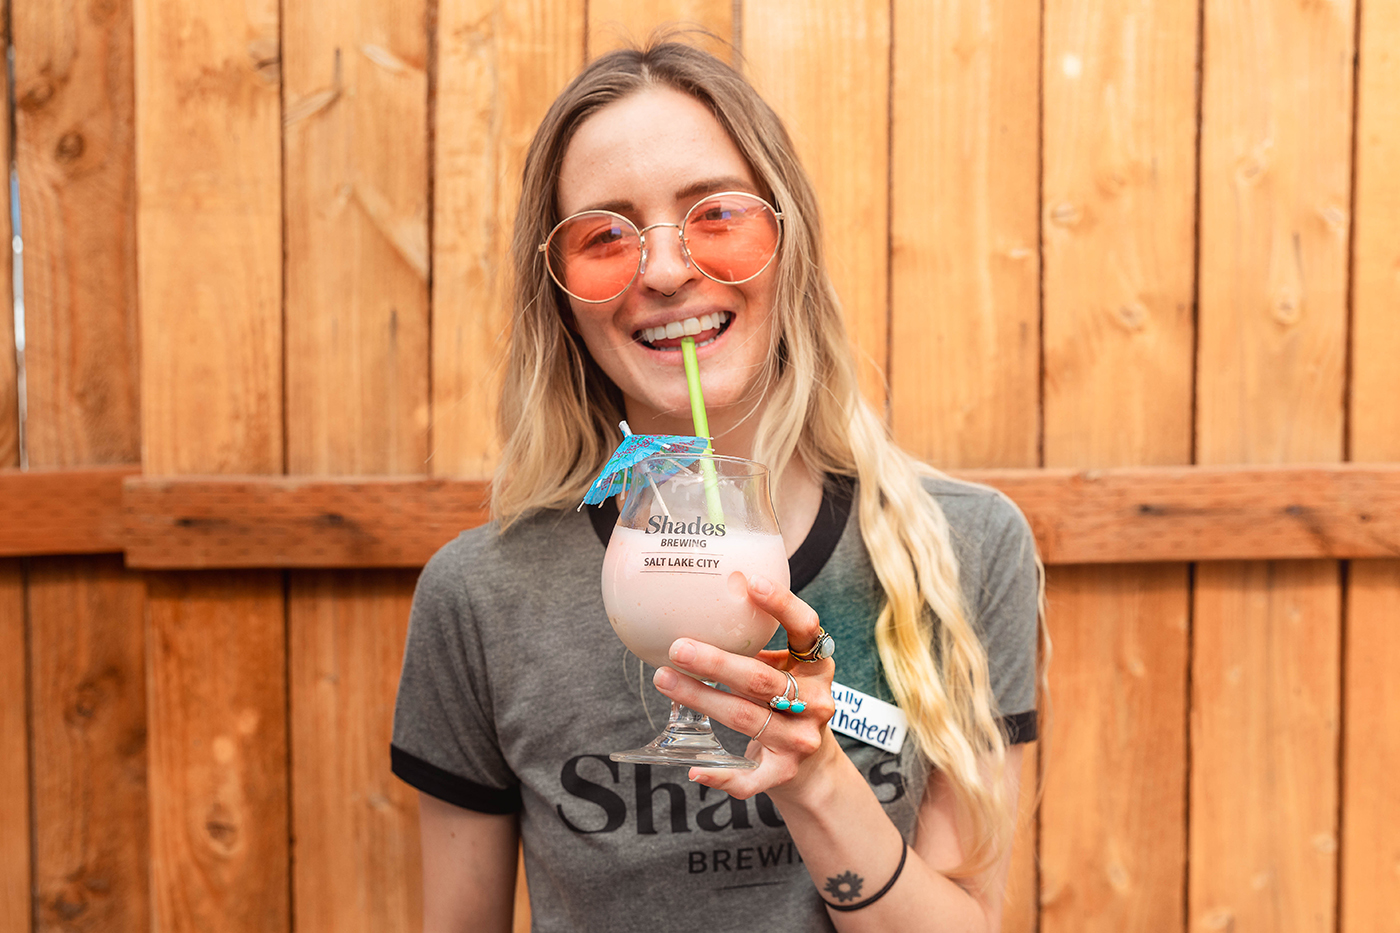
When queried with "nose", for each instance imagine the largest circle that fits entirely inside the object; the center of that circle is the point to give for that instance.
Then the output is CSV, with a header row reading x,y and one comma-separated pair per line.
x,y
664,267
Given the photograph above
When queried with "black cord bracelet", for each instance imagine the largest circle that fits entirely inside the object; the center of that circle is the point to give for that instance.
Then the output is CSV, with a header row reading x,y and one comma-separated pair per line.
x,y
880,893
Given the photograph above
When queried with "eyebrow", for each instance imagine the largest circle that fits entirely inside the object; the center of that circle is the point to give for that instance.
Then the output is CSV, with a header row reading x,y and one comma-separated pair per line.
x,y
696,190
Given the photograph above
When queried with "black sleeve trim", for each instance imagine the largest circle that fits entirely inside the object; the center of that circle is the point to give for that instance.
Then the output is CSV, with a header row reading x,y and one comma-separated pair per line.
x,y
1020,727
452,788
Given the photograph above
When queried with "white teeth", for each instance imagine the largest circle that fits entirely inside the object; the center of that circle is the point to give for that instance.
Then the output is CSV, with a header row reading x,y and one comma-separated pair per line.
x,y
691,325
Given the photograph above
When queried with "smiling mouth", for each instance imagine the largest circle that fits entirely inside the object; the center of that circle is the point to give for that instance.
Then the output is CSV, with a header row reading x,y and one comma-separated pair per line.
x,y
705,329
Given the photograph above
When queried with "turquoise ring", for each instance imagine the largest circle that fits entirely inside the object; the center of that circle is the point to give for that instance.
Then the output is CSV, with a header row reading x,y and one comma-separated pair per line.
x,y
782,704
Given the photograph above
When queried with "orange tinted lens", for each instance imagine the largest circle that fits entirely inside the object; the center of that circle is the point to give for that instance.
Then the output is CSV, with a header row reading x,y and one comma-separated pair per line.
x,y
731,237
594,256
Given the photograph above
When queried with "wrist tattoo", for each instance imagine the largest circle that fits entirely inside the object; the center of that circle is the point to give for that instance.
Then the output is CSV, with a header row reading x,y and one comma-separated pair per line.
x,y
846,886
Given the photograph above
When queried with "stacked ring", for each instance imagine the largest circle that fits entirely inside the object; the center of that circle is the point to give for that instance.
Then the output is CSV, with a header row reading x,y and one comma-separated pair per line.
x,y
823,648
782,704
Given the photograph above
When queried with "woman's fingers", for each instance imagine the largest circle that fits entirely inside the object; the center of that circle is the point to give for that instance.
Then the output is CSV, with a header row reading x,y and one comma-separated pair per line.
x,y
797,618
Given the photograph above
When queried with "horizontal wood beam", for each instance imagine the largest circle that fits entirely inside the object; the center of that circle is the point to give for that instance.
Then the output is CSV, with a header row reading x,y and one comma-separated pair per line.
x,y
291,521
1099,516
63,511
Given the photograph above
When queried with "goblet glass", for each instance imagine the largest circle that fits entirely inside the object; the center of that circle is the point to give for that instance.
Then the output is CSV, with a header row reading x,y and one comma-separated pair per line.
x,y
689,532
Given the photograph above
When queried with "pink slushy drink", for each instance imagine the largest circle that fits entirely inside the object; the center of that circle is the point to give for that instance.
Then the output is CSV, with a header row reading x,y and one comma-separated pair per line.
x,y
687,578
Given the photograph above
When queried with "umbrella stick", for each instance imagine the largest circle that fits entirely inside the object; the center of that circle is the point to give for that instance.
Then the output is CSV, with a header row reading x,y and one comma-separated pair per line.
x,y
702,428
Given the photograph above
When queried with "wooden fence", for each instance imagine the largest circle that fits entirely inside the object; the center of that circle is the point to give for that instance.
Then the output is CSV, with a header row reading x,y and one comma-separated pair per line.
x,y
1154,240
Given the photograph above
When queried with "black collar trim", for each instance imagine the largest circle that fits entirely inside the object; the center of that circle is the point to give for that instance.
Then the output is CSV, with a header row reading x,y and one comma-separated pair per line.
x,y
811,556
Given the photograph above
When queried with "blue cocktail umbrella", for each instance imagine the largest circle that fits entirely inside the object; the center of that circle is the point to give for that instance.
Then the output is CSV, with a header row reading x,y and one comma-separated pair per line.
x,y
633,450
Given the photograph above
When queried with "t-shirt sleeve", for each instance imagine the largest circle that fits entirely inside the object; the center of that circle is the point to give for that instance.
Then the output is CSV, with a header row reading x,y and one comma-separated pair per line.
x,y
444,740
1007,613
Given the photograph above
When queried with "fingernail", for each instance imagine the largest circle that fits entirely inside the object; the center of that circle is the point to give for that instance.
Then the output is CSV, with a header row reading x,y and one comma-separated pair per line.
x,y
760,584
682,652
664,678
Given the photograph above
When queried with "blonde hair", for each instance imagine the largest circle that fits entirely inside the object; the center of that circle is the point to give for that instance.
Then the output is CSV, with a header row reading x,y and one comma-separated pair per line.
x,y
559,416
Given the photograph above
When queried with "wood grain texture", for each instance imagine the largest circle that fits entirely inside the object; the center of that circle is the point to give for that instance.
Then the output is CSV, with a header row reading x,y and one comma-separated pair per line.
x,y
616,24
1275,194
1118,237
825,70
356,202
1113,836
210,263
1375,338
88,708
356,206
16,905
499,67
218,752
1120,164
1265,694
297,522
1370,897
9,375
964,327
208,134
75,511
75,153
355,824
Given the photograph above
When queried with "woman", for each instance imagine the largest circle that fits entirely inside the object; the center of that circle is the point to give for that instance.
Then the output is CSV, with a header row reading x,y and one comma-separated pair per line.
x,y
512,695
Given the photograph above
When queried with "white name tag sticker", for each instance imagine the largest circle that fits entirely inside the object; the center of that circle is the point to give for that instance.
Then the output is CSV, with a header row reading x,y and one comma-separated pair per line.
x,y
868,719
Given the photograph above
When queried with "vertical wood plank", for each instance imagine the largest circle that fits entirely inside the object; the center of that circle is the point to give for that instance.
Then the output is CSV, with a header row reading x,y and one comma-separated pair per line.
x,y
75,155
1275,190
208,136
9,386
618,23
1264,718
1113,840
75,152
356,202
16,907
87,648
356,825
15,872
1119,189
500,65
1370,897
210,281
825,69
964,330
356,199
218,750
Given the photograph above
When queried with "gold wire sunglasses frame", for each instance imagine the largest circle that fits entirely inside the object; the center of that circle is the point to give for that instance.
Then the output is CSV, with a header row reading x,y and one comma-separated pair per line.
x,y
641,234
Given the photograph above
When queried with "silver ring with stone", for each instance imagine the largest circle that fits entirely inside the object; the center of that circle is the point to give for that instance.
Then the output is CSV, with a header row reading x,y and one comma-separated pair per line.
x,y
782,704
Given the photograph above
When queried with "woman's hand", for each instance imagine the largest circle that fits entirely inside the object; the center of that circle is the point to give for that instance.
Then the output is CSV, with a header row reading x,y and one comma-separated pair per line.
x,y
790,747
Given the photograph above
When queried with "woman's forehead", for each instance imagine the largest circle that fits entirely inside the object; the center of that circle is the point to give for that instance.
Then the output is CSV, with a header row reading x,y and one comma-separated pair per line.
x,y
651,150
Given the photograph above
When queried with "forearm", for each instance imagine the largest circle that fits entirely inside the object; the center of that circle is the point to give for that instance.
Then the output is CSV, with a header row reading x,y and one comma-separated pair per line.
x,y
843,834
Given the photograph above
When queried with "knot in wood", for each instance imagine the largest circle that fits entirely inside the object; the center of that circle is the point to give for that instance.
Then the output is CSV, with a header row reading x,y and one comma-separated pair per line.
x,y
70,147
36,97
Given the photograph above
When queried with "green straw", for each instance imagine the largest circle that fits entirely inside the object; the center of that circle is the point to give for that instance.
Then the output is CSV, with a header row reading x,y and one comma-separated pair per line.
x,y
702,428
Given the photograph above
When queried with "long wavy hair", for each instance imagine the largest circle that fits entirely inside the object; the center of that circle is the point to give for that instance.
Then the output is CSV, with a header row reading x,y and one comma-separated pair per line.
x,y
559,416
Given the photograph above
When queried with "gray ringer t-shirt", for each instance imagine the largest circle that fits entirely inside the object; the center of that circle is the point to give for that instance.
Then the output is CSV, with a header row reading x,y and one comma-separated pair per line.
x,y
515,690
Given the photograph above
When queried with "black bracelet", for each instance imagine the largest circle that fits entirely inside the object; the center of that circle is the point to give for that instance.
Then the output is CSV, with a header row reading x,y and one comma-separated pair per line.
x,y
880,893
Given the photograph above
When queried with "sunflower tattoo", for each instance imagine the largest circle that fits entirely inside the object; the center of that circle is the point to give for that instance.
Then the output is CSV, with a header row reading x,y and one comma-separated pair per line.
x,y
845,887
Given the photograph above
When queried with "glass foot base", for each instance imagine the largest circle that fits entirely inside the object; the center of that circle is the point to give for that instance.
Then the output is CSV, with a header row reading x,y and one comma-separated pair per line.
x,y
685,748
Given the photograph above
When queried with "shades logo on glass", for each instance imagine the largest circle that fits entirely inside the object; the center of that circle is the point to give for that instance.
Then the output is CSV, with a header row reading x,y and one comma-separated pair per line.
x,y
661,525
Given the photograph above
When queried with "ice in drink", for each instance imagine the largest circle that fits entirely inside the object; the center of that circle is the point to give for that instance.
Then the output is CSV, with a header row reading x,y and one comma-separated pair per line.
x,y
664,583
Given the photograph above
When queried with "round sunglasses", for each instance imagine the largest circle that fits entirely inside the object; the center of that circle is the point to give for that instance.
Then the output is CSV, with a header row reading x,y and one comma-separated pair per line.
x,y
595,256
